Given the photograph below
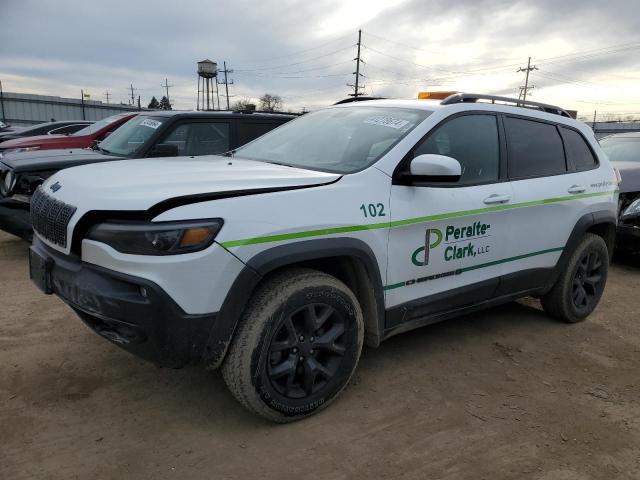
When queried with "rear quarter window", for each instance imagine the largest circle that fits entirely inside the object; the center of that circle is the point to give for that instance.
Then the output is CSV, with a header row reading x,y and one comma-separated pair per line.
x,y
535,149
579,155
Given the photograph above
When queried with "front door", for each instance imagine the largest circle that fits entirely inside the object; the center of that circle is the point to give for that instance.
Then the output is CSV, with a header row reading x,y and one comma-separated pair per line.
x,y
447,239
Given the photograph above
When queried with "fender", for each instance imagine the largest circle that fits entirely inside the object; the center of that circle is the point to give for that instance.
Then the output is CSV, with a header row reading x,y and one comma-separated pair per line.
x,y
281,256
582,226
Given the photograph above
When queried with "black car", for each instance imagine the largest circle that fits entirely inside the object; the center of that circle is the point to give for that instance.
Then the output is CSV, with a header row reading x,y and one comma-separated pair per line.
x,y
153,134
66,127
623,150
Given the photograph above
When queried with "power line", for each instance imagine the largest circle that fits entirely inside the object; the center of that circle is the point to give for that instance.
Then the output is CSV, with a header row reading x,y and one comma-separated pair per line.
x,y
295,63
322,67
306,50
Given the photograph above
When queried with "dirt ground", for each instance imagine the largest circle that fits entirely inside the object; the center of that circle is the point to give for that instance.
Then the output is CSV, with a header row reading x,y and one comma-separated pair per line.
x,y
506,393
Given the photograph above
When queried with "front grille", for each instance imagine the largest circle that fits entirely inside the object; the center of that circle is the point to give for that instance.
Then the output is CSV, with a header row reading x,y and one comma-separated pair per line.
x,y
50,217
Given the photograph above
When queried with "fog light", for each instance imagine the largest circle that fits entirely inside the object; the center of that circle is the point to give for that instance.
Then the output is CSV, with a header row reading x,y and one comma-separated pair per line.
x,y
143,292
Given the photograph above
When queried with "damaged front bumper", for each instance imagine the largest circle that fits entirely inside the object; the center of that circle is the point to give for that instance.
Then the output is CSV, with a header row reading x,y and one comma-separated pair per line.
x,y
131,312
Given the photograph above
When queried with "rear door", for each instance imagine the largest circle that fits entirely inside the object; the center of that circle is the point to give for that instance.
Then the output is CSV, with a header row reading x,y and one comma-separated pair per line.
x,y
550,194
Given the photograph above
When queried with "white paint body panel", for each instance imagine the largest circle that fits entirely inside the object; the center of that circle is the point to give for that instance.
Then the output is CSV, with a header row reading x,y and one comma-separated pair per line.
x,y
136,185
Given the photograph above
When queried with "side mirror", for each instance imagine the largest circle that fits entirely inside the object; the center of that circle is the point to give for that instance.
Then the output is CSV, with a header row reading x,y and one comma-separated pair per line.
x,y
435,168
164,150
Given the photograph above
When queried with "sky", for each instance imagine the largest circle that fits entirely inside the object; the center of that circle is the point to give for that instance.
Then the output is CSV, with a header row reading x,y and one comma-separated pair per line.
x,y
587,52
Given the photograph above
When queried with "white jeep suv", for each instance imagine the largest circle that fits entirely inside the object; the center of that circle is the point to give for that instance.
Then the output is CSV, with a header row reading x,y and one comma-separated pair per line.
x,y
349,225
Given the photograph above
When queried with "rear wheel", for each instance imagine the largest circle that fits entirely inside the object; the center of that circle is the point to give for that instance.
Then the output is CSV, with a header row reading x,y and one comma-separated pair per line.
x,y
579,288
297,345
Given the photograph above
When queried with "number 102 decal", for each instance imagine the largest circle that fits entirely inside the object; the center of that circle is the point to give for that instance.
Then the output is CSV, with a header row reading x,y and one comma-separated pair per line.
x,y
373,210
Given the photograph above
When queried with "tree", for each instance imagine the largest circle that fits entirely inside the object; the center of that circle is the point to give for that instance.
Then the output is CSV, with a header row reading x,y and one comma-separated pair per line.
x,y
271,103
243,104
164,104
154,104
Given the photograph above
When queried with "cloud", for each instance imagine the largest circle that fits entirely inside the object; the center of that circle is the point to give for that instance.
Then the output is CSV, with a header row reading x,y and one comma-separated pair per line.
x,y
304,50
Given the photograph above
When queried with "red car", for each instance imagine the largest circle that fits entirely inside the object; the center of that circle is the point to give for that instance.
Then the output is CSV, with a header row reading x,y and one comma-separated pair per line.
x,y
81,139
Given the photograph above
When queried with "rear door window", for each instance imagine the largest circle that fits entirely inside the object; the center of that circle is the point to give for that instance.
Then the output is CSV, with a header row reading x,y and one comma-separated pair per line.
x,y
535,148
579,155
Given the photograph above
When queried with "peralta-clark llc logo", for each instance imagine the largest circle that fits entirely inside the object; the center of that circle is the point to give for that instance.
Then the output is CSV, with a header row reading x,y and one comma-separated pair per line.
x,y
55,187
460,242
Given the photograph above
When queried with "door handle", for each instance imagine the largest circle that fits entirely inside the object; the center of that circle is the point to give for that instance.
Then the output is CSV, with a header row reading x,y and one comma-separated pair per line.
x,y
495,198
577,189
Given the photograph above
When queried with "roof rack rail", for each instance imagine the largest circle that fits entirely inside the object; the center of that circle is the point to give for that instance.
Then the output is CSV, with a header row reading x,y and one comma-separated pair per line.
x,y
474,97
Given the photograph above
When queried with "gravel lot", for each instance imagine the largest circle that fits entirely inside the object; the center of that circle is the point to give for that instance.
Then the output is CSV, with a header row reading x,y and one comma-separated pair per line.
x,y
506,393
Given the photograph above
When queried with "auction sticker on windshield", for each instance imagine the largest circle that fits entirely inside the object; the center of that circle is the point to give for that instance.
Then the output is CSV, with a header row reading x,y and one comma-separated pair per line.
x,y
147,122
387,121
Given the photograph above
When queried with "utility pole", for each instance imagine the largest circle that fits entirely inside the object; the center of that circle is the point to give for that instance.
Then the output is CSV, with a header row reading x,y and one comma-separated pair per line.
x,y
356,86
107,94
133,98
523,90
225,83
166,86
4,119
595,112
82,100
217,95
139,106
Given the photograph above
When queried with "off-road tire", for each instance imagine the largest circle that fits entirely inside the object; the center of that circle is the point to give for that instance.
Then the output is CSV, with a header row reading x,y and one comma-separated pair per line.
x,y
559,301
247,369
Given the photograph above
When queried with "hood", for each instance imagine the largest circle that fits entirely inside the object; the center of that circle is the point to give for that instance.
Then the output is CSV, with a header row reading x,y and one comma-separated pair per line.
x,y
630,172
43,160
48,141
140,184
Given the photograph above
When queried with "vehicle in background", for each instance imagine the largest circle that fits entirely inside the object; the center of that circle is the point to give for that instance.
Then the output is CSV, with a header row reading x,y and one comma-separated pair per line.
x,y
82,138
623,150
66,127
5,128
153,134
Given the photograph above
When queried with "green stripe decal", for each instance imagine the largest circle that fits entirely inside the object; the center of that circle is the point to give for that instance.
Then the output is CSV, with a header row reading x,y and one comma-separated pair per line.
x,y
394,285
408,221
482,265
511,259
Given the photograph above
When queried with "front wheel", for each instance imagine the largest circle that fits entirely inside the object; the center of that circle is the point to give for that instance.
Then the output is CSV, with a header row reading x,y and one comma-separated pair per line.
x,y
297,345
577,291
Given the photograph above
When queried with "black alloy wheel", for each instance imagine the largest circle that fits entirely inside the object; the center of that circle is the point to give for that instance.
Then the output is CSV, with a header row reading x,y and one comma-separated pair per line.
x,y
306,351
587,281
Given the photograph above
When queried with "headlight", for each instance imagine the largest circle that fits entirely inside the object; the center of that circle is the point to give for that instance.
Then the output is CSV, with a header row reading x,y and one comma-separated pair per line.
x,y
632,210
8,182
161,238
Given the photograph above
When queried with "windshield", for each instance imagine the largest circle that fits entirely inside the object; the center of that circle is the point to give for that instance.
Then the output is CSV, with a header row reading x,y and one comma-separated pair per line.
x,y
130,136
622,149
340,140
94,127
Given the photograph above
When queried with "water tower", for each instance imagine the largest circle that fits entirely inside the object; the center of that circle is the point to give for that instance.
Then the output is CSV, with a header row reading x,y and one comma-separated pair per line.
x,y
207,75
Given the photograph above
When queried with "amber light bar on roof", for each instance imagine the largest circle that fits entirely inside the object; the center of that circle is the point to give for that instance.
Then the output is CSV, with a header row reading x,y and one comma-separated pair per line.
x,y
434,95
